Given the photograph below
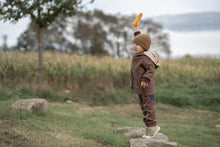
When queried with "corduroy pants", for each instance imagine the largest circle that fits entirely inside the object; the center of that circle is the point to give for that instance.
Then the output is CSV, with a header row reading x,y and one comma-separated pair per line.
x,y
147,104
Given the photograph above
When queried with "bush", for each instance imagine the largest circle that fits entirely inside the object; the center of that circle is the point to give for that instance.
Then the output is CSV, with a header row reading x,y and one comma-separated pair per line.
x,y
189,96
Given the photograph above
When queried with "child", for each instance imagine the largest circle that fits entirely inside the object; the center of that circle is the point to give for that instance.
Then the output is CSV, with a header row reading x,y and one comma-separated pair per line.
x,y
144,64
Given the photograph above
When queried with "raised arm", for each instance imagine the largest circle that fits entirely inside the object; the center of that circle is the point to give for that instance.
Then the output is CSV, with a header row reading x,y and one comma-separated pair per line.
x,y
137,29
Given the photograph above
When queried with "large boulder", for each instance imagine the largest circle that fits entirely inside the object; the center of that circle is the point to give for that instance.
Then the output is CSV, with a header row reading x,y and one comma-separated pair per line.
x,y
31,105
160,140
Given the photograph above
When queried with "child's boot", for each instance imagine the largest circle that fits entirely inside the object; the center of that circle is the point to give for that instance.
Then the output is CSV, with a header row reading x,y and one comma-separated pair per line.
x,y
151,132
146,135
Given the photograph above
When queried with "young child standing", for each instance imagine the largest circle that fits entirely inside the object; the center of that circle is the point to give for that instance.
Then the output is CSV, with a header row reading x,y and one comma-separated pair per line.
x,y
144,64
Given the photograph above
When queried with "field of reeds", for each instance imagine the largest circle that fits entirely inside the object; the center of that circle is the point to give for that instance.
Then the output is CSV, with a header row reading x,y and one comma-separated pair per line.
x,y
105,80
64,71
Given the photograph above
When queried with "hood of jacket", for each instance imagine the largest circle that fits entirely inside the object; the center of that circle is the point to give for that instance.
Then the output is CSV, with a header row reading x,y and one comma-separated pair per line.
x,y
153,56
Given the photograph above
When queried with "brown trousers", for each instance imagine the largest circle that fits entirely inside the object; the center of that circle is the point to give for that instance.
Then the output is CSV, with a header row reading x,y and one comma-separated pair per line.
x,y
147,104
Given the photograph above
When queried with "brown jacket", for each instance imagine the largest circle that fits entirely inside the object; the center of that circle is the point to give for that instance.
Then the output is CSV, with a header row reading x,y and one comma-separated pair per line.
x,y
142,69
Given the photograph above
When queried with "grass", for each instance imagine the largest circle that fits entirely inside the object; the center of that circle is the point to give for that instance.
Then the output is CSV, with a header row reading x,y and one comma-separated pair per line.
x,y
83,125
201,97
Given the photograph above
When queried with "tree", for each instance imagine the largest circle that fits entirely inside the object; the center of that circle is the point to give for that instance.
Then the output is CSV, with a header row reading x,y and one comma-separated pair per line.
x,y
101,34
119,38
41,12
4,46
53,38
92,38
96,33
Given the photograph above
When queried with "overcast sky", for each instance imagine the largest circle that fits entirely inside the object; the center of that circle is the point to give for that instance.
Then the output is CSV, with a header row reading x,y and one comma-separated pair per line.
x,y
149,8
155,7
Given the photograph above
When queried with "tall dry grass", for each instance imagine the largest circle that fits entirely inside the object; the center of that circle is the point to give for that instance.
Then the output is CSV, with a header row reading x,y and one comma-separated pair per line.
x,y
65,71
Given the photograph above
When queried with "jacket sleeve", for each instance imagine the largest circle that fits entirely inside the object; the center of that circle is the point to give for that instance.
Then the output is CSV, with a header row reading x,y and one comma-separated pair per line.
x,y
131,81
137,33
150,69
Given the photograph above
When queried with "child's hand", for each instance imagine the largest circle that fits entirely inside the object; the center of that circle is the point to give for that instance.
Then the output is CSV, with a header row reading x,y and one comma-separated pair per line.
x,y
138,26
144,84
138,23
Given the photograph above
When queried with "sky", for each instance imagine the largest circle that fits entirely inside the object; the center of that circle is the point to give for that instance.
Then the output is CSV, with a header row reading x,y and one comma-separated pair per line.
x,y
149,8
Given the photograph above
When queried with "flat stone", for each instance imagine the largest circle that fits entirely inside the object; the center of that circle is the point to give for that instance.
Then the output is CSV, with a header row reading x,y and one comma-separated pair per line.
x,y
160,140
31,105
69,102
138,132
131,131
142,142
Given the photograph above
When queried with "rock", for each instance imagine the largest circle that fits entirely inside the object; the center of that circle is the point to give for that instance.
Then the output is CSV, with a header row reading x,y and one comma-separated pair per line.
x,y
69,102
160,140
217,126
31,105
130,131
141,142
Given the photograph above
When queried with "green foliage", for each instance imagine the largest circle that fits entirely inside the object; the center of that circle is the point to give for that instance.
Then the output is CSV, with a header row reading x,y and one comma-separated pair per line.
x,y
119,96
94,35
106,18
202,97
42,13
190,96
51,95
15,93
116,33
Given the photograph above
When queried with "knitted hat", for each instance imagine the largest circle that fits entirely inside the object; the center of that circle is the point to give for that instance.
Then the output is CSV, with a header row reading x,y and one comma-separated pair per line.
x,y
143,40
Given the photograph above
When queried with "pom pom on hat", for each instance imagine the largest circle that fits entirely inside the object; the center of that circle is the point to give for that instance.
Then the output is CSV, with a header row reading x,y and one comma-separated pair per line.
x,y
143,40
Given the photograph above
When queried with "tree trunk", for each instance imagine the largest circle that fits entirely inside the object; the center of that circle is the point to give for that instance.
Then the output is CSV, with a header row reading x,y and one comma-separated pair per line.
x,y
40,59
118,50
